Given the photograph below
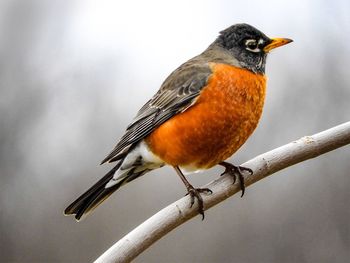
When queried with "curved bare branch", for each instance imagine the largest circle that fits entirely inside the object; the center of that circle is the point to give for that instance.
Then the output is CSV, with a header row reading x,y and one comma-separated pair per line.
x,y
177,213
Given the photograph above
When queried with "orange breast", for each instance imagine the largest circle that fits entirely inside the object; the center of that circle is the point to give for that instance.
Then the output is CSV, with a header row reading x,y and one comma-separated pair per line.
x,y
223,117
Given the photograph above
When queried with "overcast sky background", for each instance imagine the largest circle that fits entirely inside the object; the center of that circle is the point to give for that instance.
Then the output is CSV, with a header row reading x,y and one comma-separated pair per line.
x,y
74,73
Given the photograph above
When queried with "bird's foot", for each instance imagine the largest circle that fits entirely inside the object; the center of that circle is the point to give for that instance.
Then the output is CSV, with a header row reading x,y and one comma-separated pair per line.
x,y
235,171
196,193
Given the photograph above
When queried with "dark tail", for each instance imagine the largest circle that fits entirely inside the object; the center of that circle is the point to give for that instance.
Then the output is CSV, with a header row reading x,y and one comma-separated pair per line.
x,y
94,196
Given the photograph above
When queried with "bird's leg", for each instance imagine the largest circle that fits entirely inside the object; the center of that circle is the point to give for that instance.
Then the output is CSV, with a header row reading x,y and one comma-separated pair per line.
x,y
194,192
236,171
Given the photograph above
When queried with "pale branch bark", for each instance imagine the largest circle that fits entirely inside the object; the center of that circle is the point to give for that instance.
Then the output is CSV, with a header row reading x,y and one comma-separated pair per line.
x,y
143,236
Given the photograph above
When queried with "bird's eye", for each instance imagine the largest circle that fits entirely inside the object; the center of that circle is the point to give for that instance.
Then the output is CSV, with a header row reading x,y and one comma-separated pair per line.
x,y
252,45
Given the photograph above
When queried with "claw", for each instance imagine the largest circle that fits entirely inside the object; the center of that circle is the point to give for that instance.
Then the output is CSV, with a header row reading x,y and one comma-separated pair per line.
x,y
196,193
236,171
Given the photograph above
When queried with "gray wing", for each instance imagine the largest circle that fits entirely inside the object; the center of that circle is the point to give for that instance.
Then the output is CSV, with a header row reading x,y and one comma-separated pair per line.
x,y
178,92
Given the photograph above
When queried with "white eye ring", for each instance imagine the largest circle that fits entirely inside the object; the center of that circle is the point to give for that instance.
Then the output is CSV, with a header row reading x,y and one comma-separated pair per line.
x,y
252,45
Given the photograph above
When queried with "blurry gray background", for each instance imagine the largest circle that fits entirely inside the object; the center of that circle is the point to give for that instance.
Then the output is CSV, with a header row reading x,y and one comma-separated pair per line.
x,y
74,73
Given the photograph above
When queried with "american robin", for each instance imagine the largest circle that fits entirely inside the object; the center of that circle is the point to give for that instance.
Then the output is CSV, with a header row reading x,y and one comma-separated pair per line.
x,y
203,112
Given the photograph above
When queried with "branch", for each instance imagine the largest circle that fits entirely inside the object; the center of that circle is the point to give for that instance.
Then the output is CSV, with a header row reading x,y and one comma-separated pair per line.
x,y
177,213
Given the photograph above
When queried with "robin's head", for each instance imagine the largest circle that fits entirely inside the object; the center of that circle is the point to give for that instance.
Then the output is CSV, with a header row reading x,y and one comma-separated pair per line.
x,y
248,45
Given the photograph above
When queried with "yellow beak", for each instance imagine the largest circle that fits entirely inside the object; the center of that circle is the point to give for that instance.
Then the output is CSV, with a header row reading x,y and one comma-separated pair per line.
x,y
277,42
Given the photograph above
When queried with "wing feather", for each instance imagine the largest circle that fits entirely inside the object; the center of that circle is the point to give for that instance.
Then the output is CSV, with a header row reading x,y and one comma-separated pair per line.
x,y
178,92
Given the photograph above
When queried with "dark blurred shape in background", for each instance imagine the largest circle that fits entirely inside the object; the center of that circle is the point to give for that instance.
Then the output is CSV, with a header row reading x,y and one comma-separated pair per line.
x,y
74,73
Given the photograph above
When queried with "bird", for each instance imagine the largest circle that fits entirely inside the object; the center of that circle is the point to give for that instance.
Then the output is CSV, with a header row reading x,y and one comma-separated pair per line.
x,y
204,111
